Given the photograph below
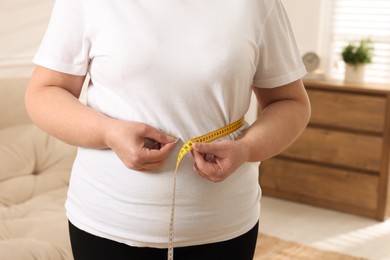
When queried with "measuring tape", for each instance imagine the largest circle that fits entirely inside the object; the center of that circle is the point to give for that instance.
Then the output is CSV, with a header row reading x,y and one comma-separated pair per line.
x,y
187,147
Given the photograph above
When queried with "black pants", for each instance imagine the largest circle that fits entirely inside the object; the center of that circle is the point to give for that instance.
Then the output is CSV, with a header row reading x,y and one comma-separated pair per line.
x,y
89,247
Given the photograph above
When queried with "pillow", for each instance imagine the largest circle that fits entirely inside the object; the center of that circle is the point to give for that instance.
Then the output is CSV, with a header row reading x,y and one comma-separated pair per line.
x,y
32,162
36,229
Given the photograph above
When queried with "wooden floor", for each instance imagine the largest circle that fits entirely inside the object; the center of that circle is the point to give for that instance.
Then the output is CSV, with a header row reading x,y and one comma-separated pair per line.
x,y
326,229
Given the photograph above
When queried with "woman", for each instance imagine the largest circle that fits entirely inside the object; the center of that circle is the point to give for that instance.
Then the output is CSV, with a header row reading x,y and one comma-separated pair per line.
x,y
162,71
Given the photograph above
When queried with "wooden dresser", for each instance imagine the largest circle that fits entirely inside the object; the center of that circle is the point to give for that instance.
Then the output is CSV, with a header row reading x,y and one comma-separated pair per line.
x,y
342,159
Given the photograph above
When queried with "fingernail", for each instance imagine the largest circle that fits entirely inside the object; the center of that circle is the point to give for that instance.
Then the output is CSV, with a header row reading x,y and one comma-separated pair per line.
x,y
175,139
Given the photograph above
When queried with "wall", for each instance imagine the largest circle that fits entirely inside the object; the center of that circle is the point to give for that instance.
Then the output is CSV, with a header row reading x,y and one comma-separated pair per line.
x,y
310,20
22,24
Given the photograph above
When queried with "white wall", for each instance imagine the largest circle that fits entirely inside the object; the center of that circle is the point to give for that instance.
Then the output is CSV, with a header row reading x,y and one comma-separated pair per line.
x,y
22,24
310,20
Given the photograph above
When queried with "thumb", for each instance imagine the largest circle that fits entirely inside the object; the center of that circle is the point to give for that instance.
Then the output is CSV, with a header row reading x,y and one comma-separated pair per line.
x,y
204,147
159,136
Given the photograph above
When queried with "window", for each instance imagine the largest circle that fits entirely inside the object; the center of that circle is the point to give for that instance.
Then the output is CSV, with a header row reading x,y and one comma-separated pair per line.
x,y
357,19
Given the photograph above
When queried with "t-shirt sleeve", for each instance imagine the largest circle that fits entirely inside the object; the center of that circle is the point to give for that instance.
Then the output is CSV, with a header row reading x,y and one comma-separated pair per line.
x,y
65,45
279,60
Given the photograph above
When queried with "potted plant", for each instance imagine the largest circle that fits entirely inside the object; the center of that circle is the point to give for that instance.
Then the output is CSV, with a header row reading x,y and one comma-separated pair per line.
x,y
356,56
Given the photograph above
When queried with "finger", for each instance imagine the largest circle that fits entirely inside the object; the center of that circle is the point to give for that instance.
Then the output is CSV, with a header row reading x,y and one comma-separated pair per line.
x,y
150,167
150,163
215,148
210,177
199,172
198,157
147,168
202,147
207,167
148,159
159,136
205,160
209,158
140,165
152,144
157,155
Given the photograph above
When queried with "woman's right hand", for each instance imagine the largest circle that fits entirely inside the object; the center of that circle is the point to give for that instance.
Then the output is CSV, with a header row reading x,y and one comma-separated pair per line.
x,y
129,140
52,103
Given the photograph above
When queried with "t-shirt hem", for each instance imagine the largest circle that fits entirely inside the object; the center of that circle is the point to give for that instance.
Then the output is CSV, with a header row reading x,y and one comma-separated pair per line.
x,y
73,69
164,245
282,80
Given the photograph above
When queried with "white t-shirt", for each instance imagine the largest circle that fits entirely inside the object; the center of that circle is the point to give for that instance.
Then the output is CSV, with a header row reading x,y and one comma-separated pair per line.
x,y
185,67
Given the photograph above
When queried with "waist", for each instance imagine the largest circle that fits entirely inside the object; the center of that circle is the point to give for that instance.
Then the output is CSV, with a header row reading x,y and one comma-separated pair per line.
x,y
124,203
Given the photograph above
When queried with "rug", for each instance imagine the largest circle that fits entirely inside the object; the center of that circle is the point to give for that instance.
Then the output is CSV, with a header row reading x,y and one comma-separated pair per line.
x,y
272,248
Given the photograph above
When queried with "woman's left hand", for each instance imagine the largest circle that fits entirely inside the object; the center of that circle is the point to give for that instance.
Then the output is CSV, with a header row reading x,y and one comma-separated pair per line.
x,y
218,160
285,112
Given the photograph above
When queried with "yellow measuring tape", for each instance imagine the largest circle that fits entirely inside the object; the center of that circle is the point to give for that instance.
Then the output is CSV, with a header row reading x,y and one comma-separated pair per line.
x,y
214,135
187,147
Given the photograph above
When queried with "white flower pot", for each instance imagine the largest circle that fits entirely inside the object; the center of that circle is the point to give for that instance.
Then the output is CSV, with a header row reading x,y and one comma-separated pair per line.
x,y
354,73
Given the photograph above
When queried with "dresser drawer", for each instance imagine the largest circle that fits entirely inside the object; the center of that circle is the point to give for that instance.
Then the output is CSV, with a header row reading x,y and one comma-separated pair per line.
x,y
346,110
338,148
342,159
320,183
